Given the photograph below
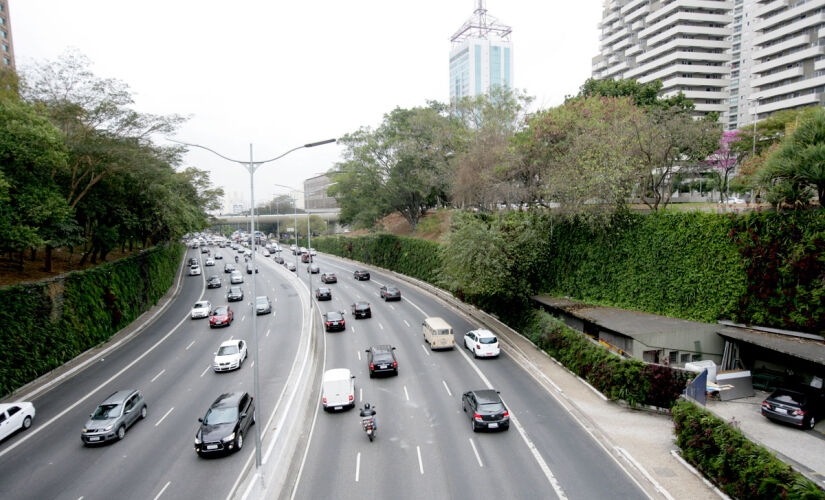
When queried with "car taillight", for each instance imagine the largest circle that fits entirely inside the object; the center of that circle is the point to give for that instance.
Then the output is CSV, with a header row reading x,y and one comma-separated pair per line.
x,y
476,416
395,364
329,323
798,413
372,366
325,400
478,346
506,414
351,397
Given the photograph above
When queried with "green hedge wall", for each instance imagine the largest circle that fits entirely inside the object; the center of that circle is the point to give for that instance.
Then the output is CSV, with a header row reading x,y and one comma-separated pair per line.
x,y
411,256
739,467
46,324
670,263
618,378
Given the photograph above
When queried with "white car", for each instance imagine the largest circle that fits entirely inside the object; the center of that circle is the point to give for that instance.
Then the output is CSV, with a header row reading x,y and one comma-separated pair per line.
x,y
202,309
312,251
194,270
14,416
265,252
483,343
209,262
236,277
230,356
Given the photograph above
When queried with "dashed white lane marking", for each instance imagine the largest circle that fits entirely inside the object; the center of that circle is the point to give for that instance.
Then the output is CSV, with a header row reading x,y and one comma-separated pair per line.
x,y
405,322
158,375
391,307
425,350
380,326
447,388
190,345
206,370
163,489
478,457
359,355
353,329
406,394
420,463
357,466
267,331
164,416
252,364
360,394
243,318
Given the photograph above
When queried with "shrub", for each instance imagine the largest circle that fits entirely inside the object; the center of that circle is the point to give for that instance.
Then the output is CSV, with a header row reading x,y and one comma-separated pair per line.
x,y
739,467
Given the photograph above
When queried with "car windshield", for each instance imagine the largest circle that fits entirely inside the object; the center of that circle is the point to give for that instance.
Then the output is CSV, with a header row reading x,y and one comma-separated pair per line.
x,y
219,311
333,316
262,300
105,412
382,357
392,290
217,416
488,340
227,350
361,307
200,305
491,407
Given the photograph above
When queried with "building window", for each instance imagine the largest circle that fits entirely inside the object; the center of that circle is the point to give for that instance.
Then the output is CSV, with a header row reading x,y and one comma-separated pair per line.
x,y
7,61
5,47
685,358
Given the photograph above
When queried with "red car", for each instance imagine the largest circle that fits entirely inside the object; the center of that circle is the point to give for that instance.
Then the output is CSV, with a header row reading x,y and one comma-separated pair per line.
x,y
221,316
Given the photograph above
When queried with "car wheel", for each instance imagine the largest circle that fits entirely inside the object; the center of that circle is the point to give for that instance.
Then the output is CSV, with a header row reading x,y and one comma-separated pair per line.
x,y
239,441
143,412
253,419
473,425
475,354
372,375
27,422
811,423
121,432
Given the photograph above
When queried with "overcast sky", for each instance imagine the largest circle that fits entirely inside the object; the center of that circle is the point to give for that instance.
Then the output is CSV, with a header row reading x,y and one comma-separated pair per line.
x,y
279,74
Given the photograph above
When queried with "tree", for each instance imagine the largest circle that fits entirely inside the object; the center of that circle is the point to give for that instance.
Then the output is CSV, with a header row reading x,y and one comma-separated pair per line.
x,y
798,164
581,155
644,95
725,160
485,127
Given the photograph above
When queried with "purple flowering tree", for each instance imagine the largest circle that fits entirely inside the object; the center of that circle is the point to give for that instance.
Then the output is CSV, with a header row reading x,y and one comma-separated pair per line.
x,y
725,160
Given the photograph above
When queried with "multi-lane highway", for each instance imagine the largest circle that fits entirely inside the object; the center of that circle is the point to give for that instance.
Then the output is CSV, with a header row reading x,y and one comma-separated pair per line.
x,y
170,363
425,446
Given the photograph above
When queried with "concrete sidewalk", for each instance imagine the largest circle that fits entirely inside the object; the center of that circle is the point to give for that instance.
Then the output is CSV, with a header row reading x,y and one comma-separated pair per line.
x,y
641,442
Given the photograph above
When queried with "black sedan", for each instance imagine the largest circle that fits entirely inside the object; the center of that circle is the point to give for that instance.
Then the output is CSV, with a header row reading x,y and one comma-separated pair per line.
x,y
390,293
361,310
323,293
278,259
798,405
213,282
334,320
329,278
234,294
361,275
485,409
225,424
381,359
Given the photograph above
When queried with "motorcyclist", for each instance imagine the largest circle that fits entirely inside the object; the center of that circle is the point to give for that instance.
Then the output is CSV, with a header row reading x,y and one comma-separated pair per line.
x,y
369,412
236,259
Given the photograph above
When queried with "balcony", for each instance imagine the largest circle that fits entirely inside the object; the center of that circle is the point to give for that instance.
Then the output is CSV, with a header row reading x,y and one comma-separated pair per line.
x,y
804,100
689,30
777,77
771,7
688,4
679,81
790,14
669,59
800,25
695,17
684,42
796,41
790,88
789,59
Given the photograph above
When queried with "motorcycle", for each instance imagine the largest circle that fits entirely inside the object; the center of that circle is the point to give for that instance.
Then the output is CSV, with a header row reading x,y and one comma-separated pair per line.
x,y
236,259
368,423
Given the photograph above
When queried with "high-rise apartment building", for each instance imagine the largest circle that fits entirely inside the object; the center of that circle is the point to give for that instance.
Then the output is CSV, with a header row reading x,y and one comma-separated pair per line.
x,y
683,43
740,58
315,194
481,56
6,47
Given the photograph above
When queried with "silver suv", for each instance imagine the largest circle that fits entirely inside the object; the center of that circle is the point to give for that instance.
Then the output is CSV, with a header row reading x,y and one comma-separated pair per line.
x,y
113,416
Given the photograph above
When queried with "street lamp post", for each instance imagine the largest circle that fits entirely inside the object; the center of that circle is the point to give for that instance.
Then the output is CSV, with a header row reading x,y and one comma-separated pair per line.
x,y
309,235
252,166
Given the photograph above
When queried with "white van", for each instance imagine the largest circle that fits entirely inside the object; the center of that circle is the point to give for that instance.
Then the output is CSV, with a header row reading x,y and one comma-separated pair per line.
x,y
338,389
438,333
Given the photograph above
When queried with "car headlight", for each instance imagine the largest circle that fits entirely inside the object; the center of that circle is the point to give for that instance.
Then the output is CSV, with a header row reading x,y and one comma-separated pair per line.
x,y
228,438
197,440
108,428
85,430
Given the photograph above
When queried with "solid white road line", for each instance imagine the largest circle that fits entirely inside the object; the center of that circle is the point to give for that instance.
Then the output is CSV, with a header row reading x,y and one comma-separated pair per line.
x,y
158,375
406,394
206,370
478,457
357,466
190,345
420,463
425,349
164,416
447,388
163,489
405,322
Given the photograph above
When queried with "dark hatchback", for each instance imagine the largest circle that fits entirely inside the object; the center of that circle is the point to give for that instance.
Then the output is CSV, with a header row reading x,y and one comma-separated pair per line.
x,y
213,282
361,275
234,294
361,310
323,293
334,320
381,359
225,424
486,410
797,405
329,278
390,293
